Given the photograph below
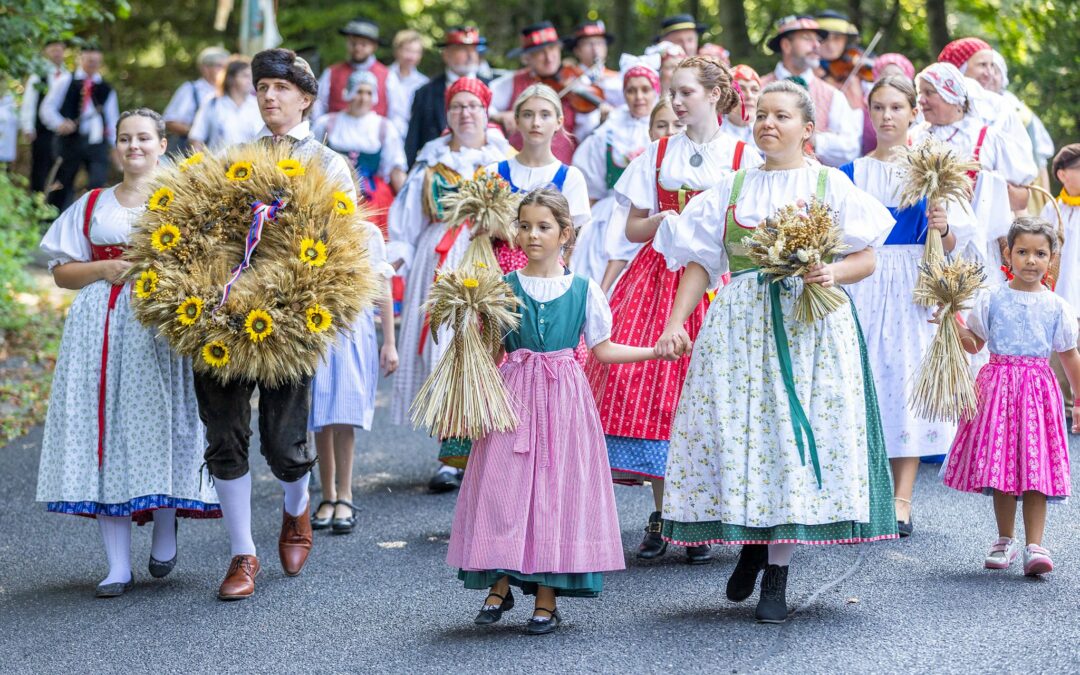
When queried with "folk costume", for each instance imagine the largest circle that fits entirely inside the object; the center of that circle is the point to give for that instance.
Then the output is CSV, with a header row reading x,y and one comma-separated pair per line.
x,y
897,331
335,80
1068,281
536,503
222,122
42,150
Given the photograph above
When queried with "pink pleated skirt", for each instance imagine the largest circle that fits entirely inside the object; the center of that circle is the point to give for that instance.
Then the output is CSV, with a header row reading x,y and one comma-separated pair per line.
x,y
539,498
1017,442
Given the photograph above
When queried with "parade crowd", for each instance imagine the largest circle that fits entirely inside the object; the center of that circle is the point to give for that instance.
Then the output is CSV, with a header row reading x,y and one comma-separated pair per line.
x,y
649,352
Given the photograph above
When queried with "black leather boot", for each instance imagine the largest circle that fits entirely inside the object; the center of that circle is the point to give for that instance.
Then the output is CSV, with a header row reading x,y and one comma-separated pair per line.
x,y
772,605
752,559
699,555
652,546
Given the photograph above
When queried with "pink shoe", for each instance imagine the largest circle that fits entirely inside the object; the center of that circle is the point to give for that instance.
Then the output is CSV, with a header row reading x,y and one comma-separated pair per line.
x,y
1037,560
1002,554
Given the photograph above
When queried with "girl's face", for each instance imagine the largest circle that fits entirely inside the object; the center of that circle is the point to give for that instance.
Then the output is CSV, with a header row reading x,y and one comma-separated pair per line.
x,y
935,109
363,100
891,115
538,119
779,126
751,90
665,123
640,96
1070,179
242,82
139,145
1029,257
539,234
690,101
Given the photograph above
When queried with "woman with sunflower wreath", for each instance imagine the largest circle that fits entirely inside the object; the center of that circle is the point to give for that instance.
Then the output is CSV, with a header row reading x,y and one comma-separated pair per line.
x,y
122,437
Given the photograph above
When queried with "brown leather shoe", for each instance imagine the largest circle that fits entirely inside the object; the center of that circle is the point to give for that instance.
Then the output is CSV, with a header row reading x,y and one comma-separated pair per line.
x,y
240,580
295,541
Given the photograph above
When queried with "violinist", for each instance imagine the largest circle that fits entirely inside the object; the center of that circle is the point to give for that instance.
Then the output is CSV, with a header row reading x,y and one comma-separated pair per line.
x,y
846,66
589,45
541,54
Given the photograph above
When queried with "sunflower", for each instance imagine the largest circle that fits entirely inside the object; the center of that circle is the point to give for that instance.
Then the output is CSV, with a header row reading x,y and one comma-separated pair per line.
x,y
239,171
344,204
291,167
165,237
313,252
147,284
189,310
161,199
318,319
191,161
215,354
470,282
258,325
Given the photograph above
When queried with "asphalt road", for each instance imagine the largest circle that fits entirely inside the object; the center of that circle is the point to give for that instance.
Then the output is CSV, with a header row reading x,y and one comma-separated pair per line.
x,y
383,600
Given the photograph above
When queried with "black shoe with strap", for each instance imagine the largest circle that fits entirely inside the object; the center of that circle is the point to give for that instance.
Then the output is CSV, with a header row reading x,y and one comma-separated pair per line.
x,y
653,545
699,555
159,569
906,529
344,525
543,626
489,615
321,523
772,605
752,559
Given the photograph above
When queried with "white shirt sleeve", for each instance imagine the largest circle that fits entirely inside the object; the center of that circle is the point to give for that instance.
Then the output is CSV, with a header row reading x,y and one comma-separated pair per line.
x,y
978,317
393,152
65,241
697,234
842,143
377,252
1009,153
406,219
29,110
200,126
181,106
111,117
1067,329
590,159
577,195
501,90
637,185
50,107
321,106
597,316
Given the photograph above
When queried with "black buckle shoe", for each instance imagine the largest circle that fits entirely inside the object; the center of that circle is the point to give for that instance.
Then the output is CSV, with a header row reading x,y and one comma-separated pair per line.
x,y
653,545
321,523
752,559
445,481
699,555
536,626
344,525
772,605
486,617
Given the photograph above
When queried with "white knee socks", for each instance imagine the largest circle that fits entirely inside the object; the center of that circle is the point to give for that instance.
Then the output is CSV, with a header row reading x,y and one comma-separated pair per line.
x,y
235,497
163,541
116,535
780,554
296,495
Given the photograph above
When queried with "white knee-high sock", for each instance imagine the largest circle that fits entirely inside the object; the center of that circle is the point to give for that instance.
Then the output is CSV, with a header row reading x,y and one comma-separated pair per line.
x,y
116,535
296,495
163,541
235,498
780,554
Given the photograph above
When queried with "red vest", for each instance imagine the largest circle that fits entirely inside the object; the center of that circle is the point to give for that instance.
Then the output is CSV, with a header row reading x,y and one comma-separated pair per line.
x,y
562,145
339,79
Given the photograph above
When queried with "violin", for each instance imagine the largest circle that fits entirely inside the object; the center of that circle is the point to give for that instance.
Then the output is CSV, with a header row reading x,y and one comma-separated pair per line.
x,y
854,62
577,87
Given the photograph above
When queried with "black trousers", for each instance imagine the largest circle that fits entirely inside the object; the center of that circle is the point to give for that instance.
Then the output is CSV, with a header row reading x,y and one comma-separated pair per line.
x,y
225,409
76,152
42,156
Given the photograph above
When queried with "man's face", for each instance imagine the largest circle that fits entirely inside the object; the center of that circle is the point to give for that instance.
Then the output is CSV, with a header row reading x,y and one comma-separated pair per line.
x,y
461,60
980,67
281,103
211,71
800,50
544,61
409,54
591,50
833,46
686,38
91,62
54,52
360,48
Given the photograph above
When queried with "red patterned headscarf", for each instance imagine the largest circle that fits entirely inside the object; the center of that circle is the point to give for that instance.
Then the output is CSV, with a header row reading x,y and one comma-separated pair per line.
x,y
472,86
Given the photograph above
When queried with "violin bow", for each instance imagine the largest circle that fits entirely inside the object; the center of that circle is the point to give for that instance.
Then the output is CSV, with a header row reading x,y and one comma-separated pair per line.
x,y
862,57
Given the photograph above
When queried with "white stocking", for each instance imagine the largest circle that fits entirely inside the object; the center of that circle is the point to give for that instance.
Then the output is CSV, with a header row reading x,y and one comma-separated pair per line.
x,y
163,542
296,495
116,535
235,497
780,554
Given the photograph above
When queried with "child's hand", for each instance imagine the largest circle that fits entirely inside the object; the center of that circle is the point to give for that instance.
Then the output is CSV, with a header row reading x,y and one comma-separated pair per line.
x,y
936,318
673,344
821,274
388,359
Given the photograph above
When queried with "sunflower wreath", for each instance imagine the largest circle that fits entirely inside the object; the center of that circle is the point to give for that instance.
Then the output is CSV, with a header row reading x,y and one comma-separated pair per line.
x,y
249,262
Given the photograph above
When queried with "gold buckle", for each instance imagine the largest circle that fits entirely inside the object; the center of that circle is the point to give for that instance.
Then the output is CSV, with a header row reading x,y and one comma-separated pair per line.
x,y
655,528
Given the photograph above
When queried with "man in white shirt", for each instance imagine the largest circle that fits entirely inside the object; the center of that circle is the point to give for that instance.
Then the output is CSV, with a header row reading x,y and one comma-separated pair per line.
x,y
404,79
82,110
190,96
837,136
41,139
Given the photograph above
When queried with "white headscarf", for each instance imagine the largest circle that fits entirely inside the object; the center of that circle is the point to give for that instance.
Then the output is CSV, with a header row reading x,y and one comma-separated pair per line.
x,y
948,81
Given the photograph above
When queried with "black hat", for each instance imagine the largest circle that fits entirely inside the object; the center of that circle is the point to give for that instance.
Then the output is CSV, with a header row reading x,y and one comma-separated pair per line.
x,y
678,22
365,28
468,36
284,64
793,24
586,30
534,37
836,22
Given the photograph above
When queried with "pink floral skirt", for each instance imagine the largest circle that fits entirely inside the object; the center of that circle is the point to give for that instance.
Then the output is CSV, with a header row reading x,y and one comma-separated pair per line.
x,y
1017,441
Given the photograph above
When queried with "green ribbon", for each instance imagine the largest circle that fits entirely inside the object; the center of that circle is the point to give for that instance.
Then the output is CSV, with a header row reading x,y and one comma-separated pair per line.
x,y
799,421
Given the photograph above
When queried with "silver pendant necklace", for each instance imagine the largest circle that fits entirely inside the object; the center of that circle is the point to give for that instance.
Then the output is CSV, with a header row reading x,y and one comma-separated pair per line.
x,y
696,159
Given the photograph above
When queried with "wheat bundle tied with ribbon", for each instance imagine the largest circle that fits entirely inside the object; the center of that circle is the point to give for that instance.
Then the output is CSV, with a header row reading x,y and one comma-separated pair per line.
x,y
489,205
465,397
791,243
944,389
932,171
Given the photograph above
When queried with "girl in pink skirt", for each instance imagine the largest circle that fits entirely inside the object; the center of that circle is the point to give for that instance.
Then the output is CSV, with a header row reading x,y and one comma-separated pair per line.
x,y
536,507
1016,447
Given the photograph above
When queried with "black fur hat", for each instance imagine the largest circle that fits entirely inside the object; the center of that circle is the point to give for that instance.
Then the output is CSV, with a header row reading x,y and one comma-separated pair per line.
x,y
284,64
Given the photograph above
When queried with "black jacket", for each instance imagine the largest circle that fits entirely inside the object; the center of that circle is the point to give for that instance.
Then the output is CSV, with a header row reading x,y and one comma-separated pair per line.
x,y
428,116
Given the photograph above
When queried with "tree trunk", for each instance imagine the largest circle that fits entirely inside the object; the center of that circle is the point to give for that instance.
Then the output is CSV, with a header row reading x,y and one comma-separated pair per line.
x,y
732,17
623,26
937,20
855,13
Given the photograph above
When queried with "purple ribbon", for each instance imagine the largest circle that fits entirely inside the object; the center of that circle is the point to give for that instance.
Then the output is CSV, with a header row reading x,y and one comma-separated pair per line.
x,y
262,213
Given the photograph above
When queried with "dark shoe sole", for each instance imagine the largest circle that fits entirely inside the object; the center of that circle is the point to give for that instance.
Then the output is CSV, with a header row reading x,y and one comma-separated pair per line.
x,y
320,524
160,570
699,561
652,555
231,598
773,621
542,627
443,486
113,590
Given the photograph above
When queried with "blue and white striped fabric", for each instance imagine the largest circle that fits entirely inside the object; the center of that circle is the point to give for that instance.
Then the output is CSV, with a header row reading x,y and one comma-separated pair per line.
x,y
343,390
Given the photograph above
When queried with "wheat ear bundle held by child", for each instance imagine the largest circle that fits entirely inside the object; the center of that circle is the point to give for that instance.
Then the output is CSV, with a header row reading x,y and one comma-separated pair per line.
x,y
793,241
488,203
250,262
932,171
944,389
465,397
